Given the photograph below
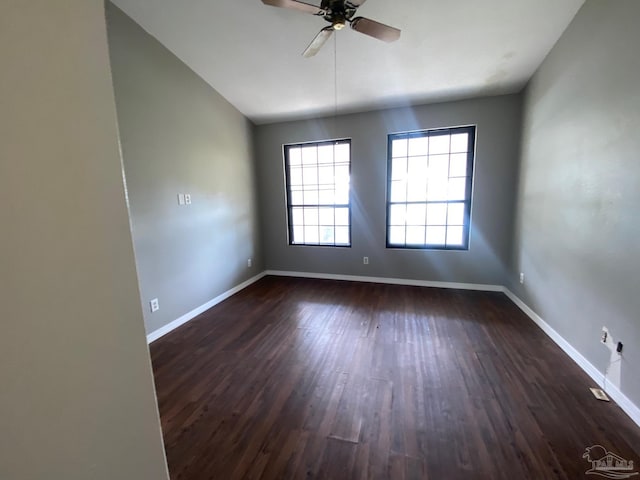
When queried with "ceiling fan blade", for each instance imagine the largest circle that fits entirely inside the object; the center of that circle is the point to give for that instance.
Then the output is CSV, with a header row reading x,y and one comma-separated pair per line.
x,y
375,29
317,43
294,4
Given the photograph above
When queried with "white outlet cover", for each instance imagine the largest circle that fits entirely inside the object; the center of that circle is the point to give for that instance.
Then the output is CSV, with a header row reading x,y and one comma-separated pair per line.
x,y
187,198
154,305
365,260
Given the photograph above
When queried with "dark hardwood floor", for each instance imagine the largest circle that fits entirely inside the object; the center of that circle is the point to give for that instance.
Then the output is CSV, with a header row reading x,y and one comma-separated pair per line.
x,y
297,378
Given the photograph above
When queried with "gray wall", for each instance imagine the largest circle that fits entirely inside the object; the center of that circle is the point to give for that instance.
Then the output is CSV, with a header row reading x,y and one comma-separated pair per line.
x,y
486,262
577,229
76,390
180,136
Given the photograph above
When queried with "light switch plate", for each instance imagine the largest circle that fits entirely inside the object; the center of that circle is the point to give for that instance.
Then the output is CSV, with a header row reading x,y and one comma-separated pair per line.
x,y
181,199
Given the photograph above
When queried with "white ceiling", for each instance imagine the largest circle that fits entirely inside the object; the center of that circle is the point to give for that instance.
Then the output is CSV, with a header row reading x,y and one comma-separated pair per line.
x,y
449,49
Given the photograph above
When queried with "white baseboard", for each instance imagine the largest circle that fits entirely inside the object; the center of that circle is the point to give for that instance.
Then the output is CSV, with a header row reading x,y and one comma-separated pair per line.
x,y
160,332
156,334
613,391
392,281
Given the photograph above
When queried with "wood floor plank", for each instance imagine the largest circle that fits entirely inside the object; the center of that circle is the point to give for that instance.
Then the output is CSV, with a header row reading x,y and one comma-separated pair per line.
x,y
298,378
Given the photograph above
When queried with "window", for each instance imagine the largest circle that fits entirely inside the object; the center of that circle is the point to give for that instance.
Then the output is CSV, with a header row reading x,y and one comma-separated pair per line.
x,y
318,204
429,188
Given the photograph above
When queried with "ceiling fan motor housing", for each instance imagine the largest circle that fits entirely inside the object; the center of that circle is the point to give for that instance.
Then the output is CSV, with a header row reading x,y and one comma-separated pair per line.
x,y
338,12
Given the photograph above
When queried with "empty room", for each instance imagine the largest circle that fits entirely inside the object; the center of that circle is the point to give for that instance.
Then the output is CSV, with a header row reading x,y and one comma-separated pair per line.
x,y
333,239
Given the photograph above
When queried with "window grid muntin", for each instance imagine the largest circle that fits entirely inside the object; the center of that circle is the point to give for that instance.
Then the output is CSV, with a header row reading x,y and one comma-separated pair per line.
x,y
308,208
466,201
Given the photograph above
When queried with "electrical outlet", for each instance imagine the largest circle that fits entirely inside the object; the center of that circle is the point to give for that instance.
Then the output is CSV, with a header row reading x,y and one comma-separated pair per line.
x,y
249,262
187,199
522,278
155,305
365,260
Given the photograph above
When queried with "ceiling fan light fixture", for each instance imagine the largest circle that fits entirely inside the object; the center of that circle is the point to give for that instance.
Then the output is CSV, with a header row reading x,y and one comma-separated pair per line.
x,y
339,24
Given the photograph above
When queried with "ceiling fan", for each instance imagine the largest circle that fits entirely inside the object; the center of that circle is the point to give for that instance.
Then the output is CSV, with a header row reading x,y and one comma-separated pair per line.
x,y
338,13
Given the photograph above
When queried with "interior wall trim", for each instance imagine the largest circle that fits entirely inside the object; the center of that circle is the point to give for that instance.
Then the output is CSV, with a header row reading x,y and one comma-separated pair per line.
x,y
160,332
613,391
596,375
392,281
